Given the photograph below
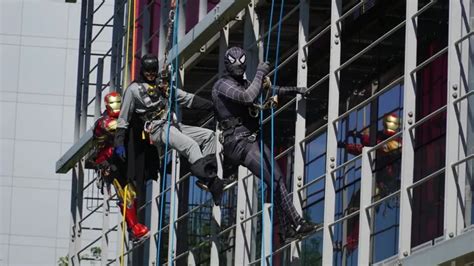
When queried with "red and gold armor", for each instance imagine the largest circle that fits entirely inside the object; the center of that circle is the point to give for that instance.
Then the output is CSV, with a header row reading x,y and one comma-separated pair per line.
x,y
104,133
391,125
387,170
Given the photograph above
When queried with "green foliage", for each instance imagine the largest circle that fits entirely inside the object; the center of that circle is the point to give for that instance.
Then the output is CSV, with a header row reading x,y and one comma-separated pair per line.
x,y
96,252
63,261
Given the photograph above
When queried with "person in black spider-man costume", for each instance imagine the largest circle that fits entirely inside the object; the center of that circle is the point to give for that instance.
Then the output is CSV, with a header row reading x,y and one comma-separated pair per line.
x,y
234,104
112,170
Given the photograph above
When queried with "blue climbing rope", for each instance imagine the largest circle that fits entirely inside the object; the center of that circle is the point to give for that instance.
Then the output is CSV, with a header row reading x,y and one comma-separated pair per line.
x,y
272,116
174,79
262,185
169,117
272,143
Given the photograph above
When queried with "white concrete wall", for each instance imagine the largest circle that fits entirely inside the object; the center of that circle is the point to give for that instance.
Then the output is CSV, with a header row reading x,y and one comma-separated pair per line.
x,y
38,68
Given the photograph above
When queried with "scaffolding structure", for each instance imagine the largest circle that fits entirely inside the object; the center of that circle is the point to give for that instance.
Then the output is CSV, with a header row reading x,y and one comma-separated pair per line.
x,y
360,60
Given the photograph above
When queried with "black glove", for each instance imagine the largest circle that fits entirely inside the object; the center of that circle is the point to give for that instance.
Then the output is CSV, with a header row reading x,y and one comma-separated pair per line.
x,y
341,144
301,90
201,103
291,90
354,133
264,68
119,139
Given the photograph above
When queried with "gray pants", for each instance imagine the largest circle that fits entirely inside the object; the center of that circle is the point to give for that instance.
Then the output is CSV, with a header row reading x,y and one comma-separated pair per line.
x,y
191,142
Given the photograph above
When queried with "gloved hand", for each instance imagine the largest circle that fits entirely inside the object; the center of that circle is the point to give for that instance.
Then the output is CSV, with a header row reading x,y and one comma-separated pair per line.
x,y
201,104
354,133
266,83
301,90
264,68
341,144
120,152
163,87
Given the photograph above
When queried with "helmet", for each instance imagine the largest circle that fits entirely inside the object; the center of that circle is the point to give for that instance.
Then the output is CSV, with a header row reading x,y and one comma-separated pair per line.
x,y
391,124
113,101
149,64
235,61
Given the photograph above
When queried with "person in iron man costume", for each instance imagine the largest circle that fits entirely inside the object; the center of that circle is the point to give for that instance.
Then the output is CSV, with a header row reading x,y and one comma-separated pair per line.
x,y
112,170
387,169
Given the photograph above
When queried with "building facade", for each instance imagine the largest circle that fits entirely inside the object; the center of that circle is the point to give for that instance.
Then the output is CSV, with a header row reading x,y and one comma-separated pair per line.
x,y
379,150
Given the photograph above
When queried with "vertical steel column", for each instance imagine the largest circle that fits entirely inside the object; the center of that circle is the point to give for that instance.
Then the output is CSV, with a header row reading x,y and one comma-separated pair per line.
x,y
366,188
98,88
409,111
151,218
120,231
333,112
175,173
76,213
470,126
164,10
87,64
300,125
80,72
154,189
174,201
243,231
454,194
267,232
216,210
76,180
202,9
117,41
104,244
146,26
246,186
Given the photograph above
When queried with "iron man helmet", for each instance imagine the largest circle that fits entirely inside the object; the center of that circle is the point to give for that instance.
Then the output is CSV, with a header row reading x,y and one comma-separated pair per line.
x,y
391,124
113,102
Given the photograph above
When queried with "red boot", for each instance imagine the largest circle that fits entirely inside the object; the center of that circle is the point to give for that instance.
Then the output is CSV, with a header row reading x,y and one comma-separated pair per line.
x,y
138,230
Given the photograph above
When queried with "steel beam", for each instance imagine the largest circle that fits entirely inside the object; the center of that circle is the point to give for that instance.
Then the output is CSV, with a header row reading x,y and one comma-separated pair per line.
x,y
216,211
80,71
98,88
75,153
104,244
210,25
366,189
246,195
87,63
300,125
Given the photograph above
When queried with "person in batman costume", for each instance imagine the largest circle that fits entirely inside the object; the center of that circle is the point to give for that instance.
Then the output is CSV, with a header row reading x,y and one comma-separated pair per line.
x,y
148,100
234,100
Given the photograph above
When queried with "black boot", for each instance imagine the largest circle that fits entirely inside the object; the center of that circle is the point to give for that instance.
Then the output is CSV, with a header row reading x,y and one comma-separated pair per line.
x,y
206,170
305,227
216,187
203,184
288,235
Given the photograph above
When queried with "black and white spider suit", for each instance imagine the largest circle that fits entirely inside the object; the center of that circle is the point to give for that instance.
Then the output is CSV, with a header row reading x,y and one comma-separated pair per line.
x,y
232,96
